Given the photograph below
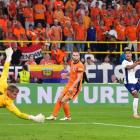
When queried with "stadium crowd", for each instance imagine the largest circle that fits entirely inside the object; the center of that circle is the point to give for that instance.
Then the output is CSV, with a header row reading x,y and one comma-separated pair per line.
x,y
67,20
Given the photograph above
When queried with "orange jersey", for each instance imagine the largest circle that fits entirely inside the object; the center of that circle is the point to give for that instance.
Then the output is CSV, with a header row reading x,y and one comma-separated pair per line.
x,y
38,11
68,32
28,14
131,33
74,70
70,4
120,32
94,12
80,33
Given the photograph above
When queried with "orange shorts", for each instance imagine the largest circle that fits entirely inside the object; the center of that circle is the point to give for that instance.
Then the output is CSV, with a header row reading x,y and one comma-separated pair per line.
x,y
72,95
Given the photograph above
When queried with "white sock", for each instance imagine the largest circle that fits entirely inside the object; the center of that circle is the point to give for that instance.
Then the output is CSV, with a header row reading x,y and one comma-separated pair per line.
x,y
135,106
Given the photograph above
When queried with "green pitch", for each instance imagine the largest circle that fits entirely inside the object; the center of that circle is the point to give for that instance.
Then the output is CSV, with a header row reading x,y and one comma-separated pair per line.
x,y
89,122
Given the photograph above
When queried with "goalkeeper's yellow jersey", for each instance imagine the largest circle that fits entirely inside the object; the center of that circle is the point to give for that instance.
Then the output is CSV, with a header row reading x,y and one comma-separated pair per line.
x,y
5,101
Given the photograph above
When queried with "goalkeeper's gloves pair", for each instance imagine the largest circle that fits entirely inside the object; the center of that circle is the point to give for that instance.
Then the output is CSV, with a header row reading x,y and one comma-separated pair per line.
x,y
37,118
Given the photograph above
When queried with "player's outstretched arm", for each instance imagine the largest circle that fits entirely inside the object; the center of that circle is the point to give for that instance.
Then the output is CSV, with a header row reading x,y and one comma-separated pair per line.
x,y
4,74
38,118
132,66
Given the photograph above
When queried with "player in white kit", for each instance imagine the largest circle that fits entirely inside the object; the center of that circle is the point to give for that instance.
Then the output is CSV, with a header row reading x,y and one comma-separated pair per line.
x,y
131,82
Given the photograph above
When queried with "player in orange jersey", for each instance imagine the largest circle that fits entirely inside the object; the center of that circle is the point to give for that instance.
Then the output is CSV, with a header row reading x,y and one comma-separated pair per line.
x,y
72,88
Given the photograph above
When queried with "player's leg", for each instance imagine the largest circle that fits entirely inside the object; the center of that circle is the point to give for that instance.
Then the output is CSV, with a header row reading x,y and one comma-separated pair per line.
x,y
57,105
132,88
56,109
68,96
66,108
135,104
136,99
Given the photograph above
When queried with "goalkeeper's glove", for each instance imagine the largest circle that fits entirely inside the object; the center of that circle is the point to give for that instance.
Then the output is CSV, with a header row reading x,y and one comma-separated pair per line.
x,y
37,118
9,53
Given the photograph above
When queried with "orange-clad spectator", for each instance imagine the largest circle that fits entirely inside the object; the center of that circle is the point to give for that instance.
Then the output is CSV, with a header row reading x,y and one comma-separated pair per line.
x,y
131,35
80,34
9,28
49,15
135,16
69,36
56,31
18,31
31,61
117,20
46,60
74,23
58,13
131,32
129,6
103,10
58,55
95,10
96,20
39,13
65,19
58,3
101,29
126,18
15,22
40,32
137,5
120,28
71,4
49,3
30,33
28,14
108,20
115,11
86,20
12,7
3,22
81,11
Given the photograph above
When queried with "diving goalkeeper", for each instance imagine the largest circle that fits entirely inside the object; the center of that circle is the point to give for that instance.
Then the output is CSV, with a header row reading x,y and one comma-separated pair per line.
x,y
9,92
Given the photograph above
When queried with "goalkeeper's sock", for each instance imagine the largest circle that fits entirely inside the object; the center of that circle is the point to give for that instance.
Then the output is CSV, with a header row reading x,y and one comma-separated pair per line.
x,y
66,109
56,108
135,106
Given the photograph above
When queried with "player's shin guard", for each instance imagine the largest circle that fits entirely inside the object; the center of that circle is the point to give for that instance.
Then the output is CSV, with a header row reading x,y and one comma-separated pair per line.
x,y
56,108
66,109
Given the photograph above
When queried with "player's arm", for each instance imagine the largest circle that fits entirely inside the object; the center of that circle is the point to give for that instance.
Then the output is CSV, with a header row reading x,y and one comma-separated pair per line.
x,y
12,108
79,77
133,65
4,74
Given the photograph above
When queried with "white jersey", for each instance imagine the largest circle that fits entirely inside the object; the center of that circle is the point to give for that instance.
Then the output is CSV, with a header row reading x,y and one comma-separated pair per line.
x,y
129,75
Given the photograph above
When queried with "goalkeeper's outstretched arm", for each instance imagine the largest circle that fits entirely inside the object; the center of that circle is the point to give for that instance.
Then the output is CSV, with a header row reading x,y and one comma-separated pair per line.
x,y
38,118
4,74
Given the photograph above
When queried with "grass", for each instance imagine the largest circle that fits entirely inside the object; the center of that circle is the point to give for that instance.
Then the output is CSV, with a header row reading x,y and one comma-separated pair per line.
x,y
89,122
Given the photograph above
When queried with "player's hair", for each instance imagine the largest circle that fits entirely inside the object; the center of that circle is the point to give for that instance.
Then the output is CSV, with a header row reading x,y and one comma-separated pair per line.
x,y
126,49
76,51
13,88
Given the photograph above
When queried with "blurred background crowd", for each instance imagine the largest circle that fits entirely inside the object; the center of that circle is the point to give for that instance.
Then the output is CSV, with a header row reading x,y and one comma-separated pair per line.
x,y
68,20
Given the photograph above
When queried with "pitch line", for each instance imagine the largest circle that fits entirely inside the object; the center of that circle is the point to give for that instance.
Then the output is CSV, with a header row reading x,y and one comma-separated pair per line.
x,y
77,123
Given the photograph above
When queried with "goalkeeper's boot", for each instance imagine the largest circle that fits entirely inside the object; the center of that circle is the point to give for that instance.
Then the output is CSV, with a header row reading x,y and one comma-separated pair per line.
x,y
51,118
136,116
65,119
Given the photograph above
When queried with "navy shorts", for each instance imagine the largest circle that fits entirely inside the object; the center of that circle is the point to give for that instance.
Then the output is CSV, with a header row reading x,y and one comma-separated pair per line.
x,y
133,87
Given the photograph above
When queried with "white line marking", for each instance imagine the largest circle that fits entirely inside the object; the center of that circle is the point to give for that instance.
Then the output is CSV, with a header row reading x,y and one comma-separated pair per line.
x,y
76,123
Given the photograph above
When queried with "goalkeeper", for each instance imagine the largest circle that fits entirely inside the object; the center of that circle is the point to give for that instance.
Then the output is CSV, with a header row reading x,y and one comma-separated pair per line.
x,y
9,92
